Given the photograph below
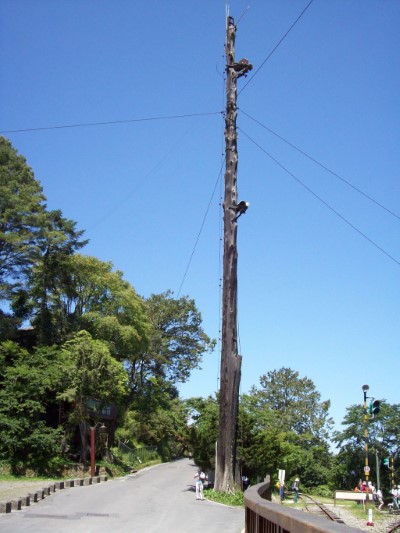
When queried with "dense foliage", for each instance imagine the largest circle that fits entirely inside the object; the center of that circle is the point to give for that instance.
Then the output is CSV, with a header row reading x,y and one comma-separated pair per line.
x,y
76,338
383,443
282,425
288,409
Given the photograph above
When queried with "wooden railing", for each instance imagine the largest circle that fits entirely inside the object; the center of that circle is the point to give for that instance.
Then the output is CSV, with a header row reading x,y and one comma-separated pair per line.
x,y
264,516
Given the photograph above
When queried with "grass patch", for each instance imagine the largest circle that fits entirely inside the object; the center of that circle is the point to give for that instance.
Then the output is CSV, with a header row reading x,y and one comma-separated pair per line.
x,y
59,468
149,463
234,499
119,468
359,512
21,472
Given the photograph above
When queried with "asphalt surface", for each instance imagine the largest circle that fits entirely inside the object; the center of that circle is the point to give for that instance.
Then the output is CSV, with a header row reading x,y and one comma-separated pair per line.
x,y
157,499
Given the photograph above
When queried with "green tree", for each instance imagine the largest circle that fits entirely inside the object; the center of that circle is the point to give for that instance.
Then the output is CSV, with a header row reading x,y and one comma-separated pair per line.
x,y
91,296
203,430
56,242
177,342
158,418
285,425
383,441
21,207
34,244
93,375
261,441
296,401
28,386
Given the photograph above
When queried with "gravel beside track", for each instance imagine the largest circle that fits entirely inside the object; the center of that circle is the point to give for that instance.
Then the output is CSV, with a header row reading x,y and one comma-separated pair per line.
x,y
380,526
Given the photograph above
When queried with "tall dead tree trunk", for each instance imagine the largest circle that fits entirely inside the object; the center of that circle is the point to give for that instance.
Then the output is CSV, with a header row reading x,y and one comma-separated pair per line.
x,y
230,360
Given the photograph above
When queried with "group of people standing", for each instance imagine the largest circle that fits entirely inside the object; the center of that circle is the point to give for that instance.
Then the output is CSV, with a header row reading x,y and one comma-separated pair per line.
x,y
377,495
395,492
369,488
280,485
363,486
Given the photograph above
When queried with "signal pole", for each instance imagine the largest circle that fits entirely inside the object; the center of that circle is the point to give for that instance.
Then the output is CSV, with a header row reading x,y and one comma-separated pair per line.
x,y
365,389
230,359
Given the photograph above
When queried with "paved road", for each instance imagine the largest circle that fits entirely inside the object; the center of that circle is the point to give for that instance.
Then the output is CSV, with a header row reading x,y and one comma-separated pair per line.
x,y
155,500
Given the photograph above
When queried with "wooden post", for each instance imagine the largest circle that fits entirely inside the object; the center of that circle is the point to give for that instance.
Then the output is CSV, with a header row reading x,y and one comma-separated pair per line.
x,y
92,451
230,360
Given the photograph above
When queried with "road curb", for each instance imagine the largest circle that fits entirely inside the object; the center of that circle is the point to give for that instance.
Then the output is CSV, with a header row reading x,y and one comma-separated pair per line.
x,y
16,504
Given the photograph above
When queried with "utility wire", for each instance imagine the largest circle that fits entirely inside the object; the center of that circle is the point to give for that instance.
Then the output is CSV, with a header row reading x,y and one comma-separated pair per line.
x,y
276,46
321,200
87,124
242,15
322,165
200,231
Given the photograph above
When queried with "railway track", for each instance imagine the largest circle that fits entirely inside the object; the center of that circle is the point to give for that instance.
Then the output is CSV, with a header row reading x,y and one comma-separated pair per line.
x,y
394,527
315,507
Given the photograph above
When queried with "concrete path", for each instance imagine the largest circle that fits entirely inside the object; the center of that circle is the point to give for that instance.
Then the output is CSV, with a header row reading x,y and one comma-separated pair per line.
x,y
159,499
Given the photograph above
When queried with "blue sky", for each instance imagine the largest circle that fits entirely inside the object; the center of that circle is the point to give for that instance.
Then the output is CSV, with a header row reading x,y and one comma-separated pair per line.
x,y
318,285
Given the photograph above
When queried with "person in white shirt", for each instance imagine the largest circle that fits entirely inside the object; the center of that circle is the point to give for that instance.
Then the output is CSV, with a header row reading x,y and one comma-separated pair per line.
x,y
200,477
379,497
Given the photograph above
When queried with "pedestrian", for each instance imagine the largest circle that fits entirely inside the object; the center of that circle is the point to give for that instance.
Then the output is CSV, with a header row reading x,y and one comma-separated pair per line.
x,y
295,489
200,477
245,482
282,491
379,497
395,492
359,487
372,490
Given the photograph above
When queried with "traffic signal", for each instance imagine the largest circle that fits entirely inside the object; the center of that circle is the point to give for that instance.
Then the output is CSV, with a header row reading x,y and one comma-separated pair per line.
x,y
374,407
386,462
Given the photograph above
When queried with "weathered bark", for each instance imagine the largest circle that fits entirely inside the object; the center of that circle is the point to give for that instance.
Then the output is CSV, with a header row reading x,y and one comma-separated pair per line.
x,y
230,360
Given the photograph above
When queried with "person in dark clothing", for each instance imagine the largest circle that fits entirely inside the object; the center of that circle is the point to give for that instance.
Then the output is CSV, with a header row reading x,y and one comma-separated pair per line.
x,y
295,489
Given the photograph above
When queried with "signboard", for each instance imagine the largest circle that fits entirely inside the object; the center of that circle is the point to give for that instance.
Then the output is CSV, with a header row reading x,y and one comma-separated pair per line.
x,y
366,469
104,412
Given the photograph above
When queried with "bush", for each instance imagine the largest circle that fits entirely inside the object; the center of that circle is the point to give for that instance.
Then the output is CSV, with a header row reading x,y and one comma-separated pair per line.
x,y
322,490
227,498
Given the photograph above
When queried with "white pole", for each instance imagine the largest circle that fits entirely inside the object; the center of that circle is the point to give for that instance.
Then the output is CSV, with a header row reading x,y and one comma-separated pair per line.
x,y
370,519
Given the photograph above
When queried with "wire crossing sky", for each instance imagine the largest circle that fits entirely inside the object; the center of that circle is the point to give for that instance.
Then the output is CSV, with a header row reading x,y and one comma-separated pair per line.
x,y
118,108
322,200
109,123
323,166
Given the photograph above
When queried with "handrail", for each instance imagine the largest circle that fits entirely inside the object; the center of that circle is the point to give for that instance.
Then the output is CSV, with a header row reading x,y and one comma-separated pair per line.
x,y
262,515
